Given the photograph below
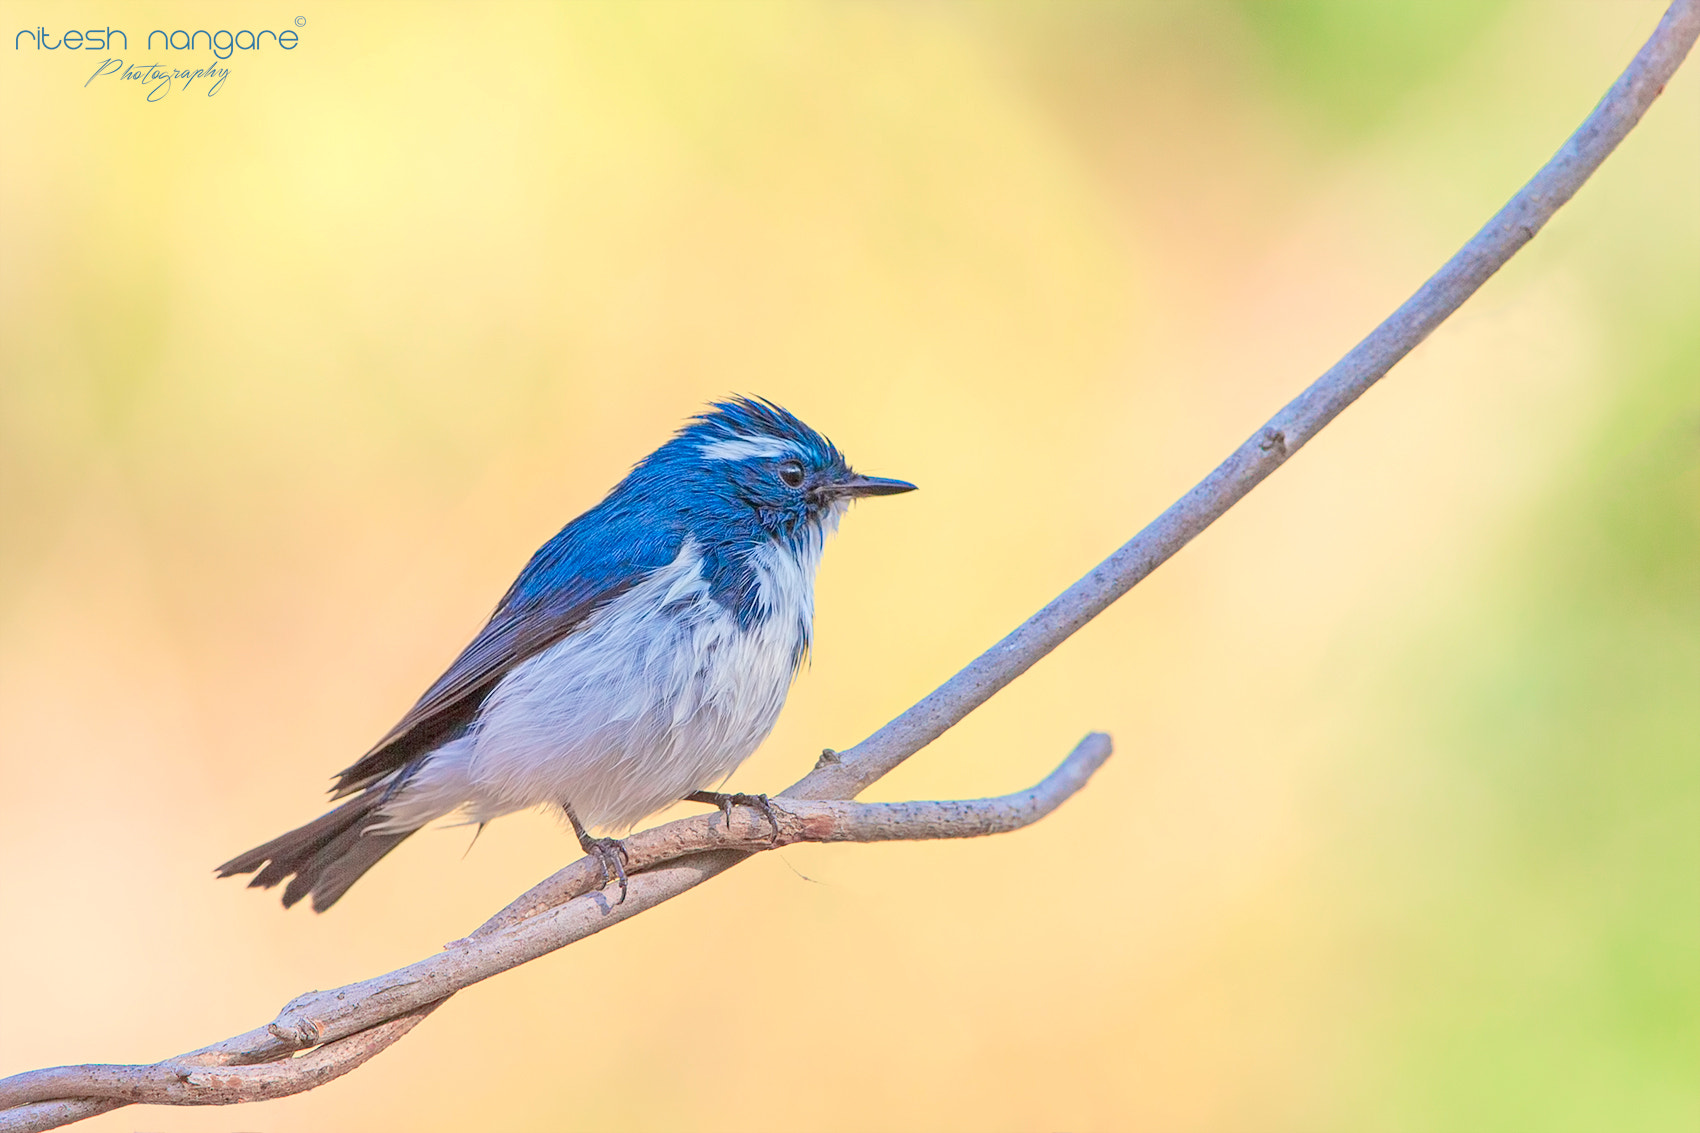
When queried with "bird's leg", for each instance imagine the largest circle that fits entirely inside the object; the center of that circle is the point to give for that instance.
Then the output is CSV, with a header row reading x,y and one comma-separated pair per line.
x,y
609,853
727,802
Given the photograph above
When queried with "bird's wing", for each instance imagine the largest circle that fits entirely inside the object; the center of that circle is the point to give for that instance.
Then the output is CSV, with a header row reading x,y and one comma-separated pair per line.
x,y
582,569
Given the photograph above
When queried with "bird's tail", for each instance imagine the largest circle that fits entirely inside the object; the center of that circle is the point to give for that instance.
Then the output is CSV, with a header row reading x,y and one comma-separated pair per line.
x,y
325,856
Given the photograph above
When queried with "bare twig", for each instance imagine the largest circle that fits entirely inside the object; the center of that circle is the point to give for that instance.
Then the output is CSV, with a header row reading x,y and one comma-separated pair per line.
x,y
182,1083
1288,431
801,821
349,1025
345,1026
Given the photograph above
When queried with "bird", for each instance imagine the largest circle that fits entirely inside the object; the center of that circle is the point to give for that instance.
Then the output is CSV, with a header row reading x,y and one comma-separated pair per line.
x,y
639,658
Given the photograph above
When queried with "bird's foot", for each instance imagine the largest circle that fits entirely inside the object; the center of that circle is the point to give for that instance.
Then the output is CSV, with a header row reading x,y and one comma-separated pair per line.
x,y
727,802
610,854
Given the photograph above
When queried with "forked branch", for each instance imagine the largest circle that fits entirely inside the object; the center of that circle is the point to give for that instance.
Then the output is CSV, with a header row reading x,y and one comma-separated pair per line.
x,y
342,1029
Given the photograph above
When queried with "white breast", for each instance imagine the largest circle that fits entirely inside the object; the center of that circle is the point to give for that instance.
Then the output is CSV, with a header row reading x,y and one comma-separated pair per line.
x,y
658,694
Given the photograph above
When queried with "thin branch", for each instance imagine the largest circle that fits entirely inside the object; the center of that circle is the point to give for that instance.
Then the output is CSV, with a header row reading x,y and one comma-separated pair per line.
x,y
175,1083
348,1025
1288,431
802,821
86,1091
671,859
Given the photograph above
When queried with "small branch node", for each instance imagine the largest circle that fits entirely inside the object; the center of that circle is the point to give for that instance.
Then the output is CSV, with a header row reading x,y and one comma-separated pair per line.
x,y
300,1033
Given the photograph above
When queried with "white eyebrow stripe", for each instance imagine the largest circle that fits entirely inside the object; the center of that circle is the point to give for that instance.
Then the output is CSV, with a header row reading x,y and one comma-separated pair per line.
x,y
743,448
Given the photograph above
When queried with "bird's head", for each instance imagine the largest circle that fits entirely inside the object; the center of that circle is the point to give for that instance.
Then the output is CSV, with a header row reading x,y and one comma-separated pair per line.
x,y
750,461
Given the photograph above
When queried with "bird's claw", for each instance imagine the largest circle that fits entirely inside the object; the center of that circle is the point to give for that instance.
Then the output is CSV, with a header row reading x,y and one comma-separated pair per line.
x,y
610,854
726,802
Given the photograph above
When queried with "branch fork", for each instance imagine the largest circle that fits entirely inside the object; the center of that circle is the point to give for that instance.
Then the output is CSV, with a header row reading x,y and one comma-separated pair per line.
x,y
341,1028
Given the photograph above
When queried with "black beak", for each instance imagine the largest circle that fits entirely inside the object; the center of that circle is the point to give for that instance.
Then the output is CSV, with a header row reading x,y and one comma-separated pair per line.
x,y
855,486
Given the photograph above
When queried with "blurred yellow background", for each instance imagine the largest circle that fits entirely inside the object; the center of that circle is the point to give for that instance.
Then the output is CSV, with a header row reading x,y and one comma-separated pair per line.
x,y
1403,831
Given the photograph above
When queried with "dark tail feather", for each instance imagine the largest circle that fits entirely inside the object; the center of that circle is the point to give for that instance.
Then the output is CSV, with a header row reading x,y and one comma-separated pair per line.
x,y
325,856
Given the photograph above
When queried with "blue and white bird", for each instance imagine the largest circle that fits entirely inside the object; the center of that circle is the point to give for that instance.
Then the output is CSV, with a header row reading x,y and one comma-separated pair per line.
x,y
640,657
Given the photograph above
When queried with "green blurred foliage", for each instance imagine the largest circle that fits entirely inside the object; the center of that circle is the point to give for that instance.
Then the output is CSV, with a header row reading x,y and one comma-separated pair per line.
x,y
1352,62
1546,883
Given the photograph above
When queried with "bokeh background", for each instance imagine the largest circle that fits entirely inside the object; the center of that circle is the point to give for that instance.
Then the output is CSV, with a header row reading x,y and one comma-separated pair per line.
x,y
1403,831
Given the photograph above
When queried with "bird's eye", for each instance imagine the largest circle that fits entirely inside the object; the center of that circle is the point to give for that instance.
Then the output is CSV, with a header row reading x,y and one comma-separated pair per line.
x,y
792,473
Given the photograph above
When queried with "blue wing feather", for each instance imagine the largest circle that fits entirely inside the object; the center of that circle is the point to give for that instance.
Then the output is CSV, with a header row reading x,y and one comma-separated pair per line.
x,y
590,562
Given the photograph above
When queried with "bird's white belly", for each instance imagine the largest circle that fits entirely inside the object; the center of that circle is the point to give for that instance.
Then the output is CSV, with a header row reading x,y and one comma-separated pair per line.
x,y
658,694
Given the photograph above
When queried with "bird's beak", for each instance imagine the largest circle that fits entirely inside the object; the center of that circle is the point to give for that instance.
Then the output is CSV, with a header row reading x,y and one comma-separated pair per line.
x,y
855,486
